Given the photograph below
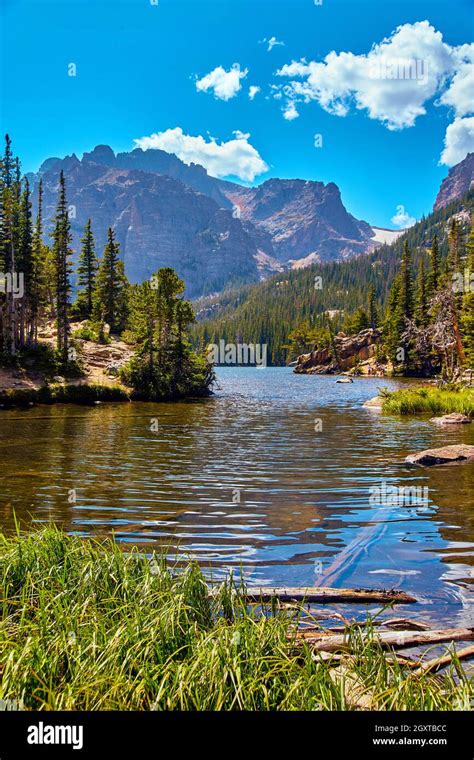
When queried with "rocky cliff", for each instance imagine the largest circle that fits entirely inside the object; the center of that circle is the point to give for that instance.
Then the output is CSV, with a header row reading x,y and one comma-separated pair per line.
x,y
459,180
158,221
213,232
348,352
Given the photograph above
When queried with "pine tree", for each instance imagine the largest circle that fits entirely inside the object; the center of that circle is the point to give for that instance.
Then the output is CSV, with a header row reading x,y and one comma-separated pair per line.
x,y
110,295
9,215
87,272
406,284
435,268
467,317
372,308
421,303
37,275
62,253
25,262
453,260
394,322
164,365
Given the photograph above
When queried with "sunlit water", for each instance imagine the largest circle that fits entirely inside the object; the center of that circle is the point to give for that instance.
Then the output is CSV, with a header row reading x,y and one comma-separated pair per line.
x,y
272,475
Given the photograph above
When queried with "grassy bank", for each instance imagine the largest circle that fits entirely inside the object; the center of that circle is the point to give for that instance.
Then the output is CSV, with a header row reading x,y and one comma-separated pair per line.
x,y
85,626
429,400
84,393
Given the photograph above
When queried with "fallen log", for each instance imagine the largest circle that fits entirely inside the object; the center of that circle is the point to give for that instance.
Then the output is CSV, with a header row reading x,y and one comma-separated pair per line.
x,y
439,662
403,624
399,640
395,624
323,595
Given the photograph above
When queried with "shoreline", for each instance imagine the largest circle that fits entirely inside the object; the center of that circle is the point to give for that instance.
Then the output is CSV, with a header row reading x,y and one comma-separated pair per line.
x,y
163,640
78,393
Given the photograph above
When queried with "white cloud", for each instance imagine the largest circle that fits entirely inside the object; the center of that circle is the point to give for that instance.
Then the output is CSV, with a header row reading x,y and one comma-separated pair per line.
x,y
253,90
392,82
402,218
458,141
236,157
459,94
290,112
224,84
272,42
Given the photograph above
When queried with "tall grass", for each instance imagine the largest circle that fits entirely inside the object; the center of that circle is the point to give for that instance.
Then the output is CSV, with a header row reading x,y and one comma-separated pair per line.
x,y
428,400
85,626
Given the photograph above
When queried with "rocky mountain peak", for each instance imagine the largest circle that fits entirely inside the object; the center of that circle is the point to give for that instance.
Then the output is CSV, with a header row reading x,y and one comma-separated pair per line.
x,y
458,182
102,154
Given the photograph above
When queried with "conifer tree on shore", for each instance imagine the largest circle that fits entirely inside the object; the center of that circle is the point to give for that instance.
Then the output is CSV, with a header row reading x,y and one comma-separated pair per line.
x,y
110,295
37,294
62,253
87,272
467,317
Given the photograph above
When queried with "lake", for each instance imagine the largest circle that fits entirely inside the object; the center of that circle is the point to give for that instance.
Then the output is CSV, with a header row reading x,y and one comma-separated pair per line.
x,y
274,476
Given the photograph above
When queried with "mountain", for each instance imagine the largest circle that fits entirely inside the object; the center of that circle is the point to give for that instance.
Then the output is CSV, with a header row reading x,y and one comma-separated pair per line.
x,y
302,219
458,182
158,221
269,311
213,232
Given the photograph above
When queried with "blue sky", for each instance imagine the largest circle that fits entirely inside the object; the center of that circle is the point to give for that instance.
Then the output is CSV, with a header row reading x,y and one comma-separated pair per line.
x,y
165,69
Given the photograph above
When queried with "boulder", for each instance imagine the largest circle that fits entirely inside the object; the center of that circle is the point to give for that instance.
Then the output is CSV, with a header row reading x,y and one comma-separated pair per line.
x,y
451,419
349,350
373,403
444,455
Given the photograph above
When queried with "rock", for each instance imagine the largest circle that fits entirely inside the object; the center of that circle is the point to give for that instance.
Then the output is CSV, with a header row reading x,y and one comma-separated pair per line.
x,y
444,455
457,183
373,403
59,379
451,419
351,350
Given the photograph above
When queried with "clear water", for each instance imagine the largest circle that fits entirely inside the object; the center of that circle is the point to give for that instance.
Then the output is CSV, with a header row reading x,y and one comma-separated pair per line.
x,y
271,476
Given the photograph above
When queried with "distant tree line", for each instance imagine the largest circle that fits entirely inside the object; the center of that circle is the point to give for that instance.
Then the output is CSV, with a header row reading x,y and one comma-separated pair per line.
x,y
295,311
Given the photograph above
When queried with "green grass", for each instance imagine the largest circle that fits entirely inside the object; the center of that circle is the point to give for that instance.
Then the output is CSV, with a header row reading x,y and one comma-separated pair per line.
x,y
84,393
85,626
429,400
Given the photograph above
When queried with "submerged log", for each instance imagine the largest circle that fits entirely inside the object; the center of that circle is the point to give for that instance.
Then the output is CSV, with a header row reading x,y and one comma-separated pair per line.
x,y
396,640
323,595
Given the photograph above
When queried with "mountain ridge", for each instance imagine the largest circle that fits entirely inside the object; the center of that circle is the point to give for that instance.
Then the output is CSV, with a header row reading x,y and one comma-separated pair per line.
x,y
214,232
250,232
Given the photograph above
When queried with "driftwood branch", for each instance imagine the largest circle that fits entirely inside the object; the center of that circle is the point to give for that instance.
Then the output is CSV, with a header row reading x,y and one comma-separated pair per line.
x,y
439,662
323,595
399,640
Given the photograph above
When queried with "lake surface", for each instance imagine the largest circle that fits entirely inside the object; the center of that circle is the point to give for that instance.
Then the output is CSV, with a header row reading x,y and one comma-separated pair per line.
x,y
271,476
